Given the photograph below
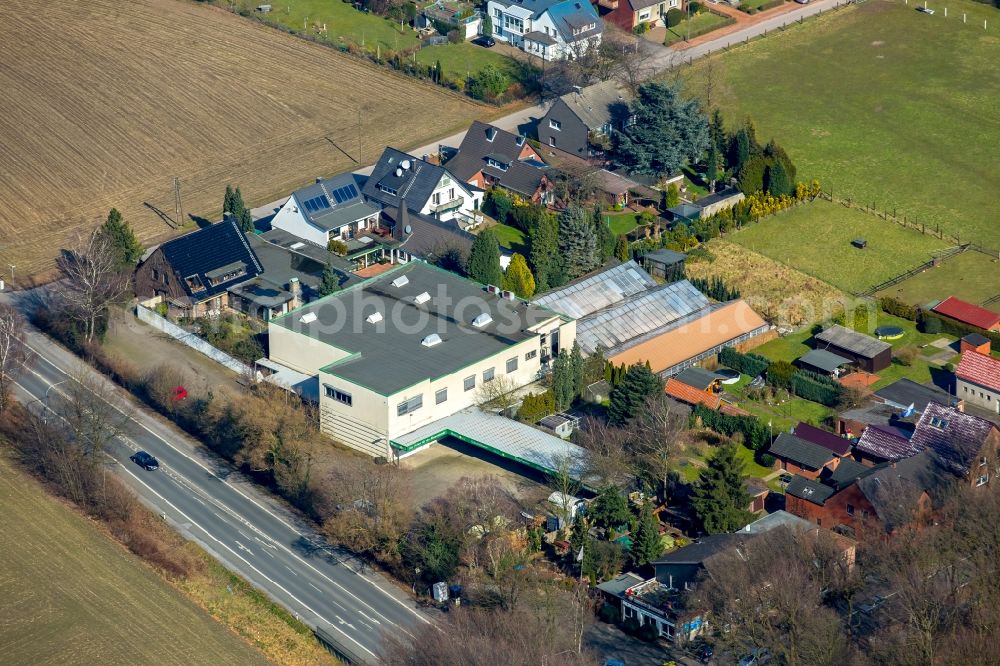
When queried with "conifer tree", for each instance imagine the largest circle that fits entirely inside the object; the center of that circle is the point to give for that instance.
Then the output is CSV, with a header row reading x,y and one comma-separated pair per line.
x,y
577,242
577,369
122,240
629,395
646,544
719,497
330,282
544,242
484,259
622,250
605,239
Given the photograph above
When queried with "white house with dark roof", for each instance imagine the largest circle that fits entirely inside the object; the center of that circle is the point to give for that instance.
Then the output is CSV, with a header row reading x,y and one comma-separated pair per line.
x,y
425,188
326,210
550,29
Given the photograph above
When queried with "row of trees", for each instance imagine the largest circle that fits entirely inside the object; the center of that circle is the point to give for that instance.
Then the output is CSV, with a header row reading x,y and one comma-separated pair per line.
x,y
232,203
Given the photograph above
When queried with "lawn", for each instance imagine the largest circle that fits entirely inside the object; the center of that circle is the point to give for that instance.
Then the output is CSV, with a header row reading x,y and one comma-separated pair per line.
x,y
691,466
751,4
815,238
971,276
622,223
699,24
70,595
781,416
463,60
344,24
511,238
880,103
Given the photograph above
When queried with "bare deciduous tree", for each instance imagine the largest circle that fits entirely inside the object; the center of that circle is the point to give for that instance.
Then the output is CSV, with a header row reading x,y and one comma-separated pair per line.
x,y
497,394
656,429
14,353
608,456
91,280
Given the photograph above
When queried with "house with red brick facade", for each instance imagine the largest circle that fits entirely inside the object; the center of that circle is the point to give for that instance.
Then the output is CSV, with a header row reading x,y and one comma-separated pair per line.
x,y
802,457
627,14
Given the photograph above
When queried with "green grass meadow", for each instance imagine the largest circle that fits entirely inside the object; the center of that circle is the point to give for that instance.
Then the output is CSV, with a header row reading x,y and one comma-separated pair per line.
x,y
816,239
882,104
971,276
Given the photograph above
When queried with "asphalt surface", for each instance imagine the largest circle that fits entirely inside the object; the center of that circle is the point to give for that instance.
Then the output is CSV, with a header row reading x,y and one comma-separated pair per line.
x,y
207,501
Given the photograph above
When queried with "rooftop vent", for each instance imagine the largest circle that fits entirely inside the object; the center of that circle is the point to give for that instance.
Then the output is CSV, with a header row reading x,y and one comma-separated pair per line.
x,y
374,318
308,318
482,320
399,172
493,289
401,281
405,164
431,340
421,298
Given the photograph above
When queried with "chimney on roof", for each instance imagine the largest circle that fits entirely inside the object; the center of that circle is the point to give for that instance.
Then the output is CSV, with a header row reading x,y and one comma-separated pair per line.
x,y
226,216
319,179
491,133
295,289
578,90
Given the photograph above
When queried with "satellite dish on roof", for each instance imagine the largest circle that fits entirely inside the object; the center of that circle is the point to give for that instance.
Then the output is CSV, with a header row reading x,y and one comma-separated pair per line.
x,y
399,172
408,229
405,164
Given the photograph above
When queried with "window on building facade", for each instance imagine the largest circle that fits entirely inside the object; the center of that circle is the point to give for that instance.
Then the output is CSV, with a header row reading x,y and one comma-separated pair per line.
x,y
338,395
409,406
488,374
555,124
440,396
983,480
530,355
470,382
511,364
850,509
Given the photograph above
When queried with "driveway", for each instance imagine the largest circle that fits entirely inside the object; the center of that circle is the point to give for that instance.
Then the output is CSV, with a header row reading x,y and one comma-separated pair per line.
x,y
610,642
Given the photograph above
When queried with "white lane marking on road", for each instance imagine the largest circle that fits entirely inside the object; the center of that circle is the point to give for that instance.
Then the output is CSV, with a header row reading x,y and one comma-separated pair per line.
x,y
370,619
242,547
212,537
315,588
290,570
342,621
257,504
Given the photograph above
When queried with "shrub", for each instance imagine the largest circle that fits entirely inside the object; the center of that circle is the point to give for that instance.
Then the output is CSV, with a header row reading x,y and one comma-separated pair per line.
x,y
930,324
641,29
609,614
906,356
748,364
337,246
674,16
766,459
631,626
694,7
648,632
896,307
536,406
809,388
780,374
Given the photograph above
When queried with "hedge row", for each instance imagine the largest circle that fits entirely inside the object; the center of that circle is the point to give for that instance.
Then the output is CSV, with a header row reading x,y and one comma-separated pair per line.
x,y
930,322
748,364
753,430
809,388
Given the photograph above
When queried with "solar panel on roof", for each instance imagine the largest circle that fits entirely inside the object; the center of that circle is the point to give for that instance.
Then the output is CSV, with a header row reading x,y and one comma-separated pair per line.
x,y
317,203
345,193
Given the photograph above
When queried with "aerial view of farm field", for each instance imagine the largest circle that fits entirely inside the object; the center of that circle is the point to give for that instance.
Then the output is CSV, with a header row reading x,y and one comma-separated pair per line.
x,y
150,91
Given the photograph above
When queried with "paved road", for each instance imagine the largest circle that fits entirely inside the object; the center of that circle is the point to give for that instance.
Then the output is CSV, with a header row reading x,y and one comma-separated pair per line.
x,y
203,498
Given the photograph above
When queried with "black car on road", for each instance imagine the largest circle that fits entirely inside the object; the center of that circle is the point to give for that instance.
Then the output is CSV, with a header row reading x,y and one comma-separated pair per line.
x,y
144,460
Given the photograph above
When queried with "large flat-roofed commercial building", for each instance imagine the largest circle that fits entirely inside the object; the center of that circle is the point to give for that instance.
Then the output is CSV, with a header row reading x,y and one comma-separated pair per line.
x,y
410,347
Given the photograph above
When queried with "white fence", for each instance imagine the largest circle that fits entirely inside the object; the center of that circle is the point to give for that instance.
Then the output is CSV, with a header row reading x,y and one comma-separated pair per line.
x,y
191,340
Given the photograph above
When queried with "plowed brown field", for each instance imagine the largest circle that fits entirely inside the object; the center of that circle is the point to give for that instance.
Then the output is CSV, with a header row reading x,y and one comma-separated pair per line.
x,y
104,102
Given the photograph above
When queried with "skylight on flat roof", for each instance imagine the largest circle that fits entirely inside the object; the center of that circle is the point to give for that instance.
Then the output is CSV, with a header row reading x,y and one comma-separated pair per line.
x,y
482,320
401,281
431,340
374,318
421,298
308,318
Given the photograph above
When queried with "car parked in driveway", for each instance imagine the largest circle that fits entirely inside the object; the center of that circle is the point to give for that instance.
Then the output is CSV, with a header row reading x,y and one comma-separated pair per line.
x,y
484,41
144,460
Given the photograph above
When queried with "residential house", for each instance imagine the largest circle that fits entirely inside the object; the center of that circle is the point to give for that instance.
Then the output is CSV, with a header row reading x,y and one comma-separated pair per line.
x,y
822,362
883,443
427,189
398,354
491,157
448,15
194,272
840,446
800,456
852,422
977,380
908,395
329,209
664,264
549,29
968,313
758,491
947,445
628,14
661,600
580,122
425,237
633,319
870,354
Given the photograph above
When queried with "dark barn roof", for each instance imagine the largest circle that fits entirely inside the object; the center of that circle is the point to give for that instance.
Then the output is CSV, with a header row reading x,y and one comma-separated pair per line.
x,y
857,343
839,445
800,451
906,392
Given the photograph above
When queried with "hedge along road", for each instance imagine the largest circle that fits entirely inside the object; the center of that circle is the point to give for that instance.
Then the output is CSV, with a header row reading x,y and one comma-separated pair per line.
x,y
206,500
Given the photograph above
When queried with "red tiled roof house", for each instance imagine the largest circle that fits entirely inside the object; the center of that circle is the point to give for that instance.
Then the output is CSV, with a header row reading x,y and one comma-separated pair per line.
x,y
977,380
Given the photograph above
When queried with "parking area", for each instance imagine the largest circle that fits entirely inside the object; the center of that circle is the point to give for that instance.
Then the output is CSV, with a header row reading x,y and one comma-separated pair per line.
x,y
433,470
